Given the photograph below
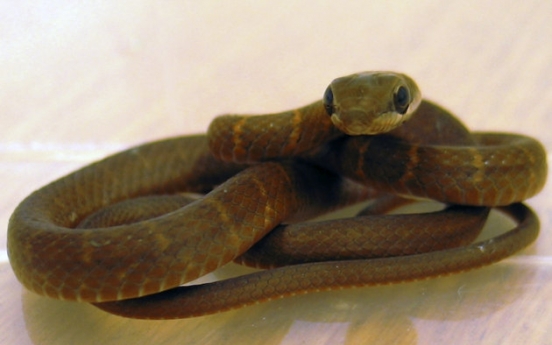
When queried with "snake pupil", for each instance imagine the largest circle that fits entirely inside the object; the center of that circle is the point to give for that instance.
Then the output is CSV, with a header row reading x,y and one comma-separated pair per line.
x,y
401,99
328,101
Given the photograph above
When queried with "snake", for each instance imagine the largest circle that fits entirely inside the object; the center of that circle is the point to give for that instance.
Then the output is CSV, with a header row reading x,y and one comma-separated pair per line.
x,y
371,136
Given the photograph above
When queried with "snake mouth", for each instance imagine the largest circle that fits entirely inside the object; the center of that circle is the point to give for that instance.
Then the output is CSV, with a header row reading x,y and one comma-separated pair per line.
x,y
358,126
388,121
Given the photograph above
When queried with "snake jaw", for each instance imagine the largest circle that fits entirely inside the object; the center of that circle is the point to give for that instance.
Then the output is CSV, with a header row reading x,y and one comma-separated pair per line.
x,y
357,127
387,122
381,124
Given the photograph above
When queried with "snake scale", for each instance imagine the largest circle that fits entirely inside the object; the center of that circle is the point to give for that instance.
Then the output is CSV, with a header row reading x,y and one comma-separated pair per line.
x,y
371,136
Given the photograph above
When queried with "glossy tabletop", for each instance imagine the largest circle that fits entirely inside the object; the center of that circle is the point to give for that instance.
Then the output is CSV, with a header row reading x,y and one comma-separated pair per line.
x,y
79,81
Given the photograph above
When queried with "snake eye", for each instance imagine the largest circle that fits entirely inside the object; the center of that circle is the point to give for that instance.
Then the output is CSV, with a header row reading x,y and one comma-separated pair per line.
x,y
401,100
328,101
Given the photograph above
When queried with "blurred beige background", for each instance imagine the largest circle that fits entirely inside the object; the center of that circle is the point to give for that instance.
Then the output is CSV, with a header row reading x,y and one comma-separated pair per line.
x,y
81,80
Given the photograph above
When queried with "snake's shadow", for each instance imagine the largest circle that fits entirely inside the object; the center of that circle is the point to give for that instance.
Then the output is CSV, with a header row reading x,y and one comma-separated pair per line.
x,y
397,312
394,313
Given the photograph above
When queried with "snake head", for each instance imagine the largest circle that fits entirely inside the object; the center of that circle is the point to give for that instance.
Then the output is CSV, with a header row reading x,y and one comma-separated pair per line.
x,y
371,102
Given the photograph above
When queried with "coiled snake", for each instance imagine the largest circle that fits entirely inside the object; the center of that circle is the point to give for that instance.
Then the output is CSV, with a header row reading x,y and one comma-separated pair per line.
x,y
309,166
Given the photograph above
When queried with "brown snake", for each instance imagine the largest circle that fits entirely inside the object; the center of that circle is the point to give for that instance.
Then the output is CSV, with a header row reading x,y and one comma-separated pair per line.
x,y
123,268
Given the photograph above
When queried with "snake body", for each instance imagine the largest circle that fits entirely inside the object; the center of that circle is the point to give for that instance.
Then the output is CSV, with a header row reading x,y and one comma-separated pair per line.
x,y
122,268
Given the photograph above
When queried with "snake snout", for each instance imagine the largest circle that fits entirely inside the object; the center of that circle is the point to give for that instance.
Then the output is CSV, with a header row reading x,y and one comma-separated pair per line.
x,y
354,123
358,122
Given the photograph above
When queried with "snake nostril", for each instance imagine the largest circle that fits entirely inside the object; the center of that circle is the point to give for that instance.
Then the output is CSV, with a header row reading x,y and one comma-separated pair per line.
x,y
328,101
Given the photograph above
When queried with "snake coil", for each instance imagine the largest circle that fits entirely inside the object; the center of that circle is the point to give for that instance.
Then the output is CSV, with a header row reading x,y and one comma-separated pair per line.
x,y
79,238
